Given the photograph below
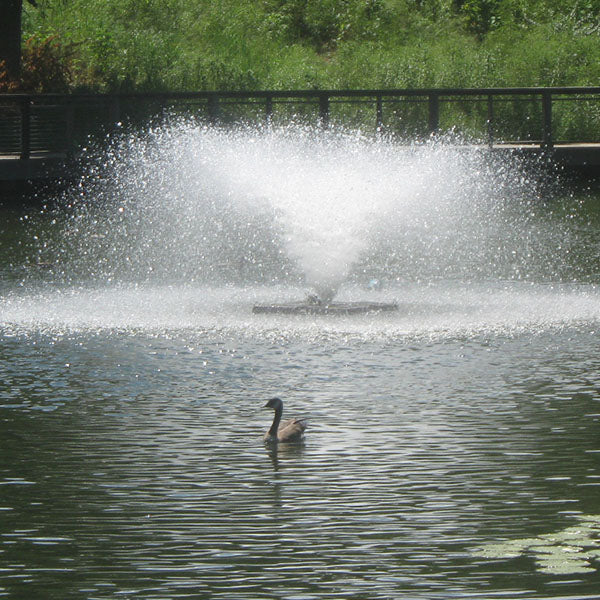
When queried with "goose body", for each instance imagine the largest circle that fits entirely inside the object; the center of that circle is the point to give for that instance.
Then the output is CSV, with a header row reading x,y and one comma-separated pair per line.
x,y
290,431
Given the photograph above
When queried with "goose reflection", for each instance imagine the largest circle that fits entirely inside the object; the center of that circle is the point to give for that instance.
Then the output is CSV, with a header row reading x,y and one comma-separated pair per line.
x,y
282,454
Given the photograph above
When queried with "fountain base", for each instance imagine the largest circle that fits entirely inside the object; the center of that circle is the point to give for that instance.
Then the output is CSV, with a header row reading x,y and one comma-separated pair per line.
x,y
315,308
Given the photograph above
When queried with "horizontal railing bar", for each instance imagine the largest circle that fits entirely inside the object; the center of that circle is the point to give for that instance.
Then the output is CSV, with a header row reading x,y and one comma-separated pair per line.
x,y
439,92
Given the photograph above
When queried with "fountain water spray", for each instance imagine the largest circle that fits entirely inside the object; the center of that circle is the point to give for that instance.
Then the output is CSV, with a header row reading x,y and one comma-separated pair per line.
x,y
186,202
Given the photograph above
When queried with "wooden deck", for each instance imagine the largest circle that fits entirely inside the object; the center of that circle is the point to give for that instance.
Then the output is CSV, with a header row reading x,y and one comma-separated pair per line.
x,y
583,155
38,166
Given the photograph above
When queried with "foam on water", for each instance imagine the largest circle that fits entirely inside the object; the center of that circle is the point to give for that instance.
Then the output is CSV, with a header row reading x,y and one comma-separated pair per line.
x,y
184,225
434,311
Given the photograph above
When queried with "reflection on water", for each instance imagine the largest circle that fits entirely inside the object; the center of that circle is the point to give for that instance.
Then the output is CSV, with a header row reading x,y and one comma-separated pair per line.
x,y
133,463
564,552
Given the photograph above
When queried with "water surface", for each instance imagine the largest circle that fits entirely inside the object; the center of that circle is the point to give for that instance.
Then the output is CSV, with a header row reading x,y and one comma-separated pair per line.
x,y
133,465
453,446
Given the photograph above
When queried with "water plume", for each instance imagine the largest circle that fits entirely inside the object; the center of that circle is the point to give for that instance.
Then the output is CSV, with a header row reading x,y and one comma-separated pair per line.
x,y
298,205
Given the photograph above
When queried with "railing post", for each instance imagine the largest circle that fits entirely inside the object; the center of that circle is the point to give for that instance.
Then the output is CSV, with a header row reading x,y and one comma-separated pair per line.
x,y
379,114
547,141
490,120
324,110
269,109
25,128
434,113
213,108
69,127
114,110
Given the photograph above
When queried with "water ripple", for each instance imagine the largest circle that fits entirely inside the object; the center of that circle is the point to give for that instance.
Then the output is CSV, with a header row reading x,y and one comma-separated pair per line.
x,y
149,478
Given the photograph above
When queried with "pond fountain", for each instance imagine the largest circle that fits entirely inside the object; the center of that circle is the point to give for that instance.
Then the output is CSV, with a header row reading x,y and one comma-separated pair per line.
x,y
297,220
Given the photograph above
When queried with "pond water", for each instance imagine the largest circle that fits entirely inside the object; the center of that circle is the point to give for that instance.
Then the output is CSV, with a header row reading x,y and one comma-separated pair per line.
x,y
452,449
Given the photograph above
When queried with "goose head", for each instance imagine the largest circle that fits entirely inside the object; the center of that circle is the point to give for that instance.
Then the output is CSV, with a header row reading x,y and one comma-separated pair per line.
x,y
274,403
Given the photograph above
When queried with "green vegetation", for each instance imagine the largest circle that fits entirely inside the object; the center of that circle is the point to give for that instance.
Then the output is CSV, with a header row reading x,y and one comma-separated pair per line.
x,y
572,550
123,45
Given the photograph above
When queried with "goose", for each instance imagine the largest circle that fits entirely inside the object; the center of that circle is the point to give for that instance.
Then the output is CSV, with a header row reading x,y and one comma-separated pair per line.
x,y
290,431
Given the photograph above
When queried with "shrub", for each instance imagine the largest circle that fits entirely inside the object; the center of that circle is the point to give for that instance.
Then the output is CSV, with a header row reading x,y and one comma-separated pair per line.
x,y
45,67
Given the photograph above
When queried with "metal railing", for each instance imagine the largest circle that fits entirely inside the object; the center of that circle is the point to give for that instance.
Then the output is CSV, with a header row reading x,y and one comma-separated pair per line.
x,y
38,124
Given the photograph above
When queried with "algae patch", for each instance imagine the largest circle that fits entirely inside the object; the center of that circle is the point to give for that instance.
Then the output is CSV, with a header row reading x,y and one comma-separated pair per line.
x,y
565,552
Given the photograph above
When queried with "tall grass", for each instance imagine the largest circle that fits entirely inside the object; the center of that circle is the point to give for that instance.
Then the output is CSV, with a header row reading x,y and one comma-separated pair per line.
x,y
237,44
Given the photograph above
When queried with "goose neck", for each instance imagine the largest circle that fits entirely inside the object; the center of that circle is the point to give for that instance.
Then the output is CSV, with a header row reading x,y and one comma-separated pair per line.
x,y
276,421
